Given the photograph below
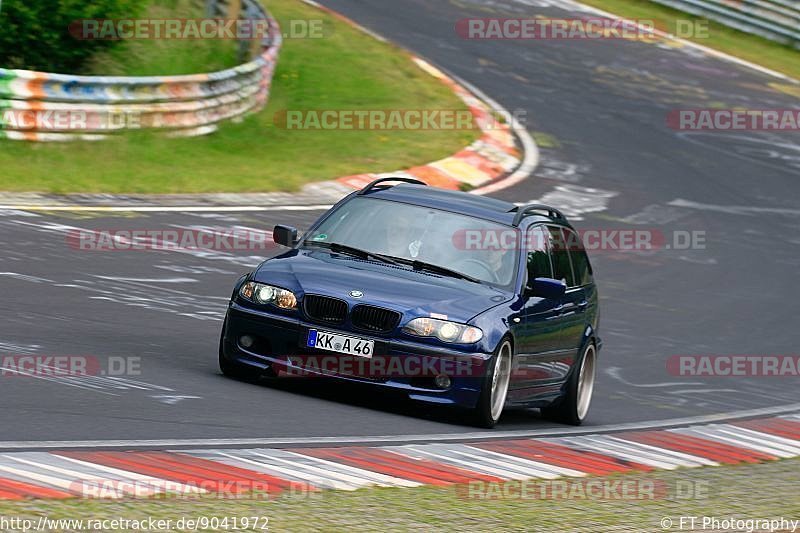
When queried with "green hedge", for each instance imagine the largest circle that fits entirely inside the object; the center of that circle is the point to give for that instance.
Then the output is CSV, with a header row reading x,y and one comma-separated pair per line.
x,y
34,34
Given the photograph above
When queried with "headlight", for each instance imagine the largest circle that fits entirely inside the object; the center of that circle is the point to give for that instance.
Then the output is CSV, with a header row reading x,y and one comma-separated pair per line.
x,y
443,330
267,294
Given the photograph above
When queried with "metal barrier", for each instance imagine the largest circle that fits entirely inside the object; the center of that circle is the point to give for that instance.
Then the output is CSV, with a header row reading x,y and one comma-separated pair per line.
x,y
777,20
39,106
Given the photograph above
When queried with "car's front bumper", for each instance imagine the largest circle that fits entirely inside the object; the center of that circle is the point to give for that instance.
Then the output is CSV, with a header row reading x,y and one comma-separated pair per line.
x,y
411,367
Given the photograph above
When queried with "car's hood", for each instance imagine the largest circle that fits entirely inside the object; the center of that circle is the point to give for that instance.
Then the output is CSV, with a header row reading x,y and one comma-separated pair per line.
x,y
399,288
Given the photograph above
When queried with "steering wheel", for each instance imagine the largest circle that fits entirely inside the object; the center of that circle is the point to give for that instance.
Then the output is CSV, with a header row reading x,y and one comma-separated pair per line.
x,y
489,270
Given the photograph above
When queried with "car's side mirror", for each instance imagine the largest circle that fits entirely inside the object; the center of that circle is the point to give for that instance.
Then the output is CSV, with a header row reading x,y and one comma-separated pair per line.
x,y
551,289
284,235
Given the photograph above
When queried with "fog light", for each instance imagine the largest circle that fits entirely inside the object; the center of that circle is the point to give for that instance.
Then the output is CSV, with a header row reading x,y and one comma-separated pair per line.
x,y
442,381
247,341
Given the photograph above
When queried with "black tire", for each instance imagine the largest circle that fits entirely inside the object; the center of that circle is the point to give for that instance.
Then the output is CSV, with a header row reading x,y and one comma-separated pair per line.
x,y
573,408
486,413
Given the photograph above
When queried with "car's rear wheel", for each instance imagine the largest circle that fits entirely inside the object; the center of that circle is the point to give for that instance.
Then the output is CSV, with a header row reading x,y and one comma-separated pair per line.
x,y
574,407
495,387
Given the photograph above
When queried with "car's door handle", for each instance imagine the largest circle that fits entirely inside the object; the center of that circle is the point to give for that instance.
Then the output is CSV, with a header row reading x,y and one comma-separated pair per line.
x,y
583,305
565,308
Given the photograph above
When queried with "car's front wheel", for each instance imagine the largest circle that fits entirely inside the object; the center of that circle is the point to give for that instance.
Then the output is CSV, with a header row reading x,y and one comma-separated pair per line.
x,y
495,387
574,406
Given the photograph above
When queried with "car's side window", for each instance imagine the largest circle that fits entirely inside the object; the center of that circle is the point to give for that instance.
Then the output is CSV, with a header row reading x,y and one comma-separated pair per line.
x,y
580,261
538,258
560,255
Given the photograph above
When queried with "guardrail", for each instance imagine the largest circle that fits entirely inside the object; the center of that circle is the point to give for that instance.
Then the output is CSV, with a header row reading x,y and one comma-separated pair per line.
x,y
39,106
777,20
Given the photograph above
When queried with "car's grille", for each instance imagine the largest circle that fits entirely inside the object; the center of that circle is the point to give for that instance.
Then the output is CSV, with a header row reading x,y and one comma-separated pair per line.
x,y
375,319
324,309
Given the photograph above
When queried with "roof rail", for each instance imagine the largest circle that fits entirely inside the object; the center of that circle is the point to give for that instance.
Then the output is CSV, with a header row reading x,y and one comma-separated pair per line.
x,y
527,210
372,185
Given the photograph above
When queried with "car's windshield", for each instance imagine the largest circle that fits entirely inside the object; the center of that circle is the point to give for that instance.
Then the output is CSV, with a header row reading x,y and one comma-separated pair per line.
x,y
414,233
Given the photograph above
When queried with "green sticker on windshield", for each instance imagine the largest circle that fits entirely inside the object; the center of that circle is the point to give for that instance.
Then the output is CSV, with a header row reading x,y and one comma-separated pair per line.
x,y
321,237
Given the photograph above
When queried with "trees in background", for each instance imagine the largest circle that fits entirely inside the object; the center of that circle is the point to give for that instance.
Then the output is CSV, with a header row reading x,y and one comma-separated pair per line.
x,y
35,35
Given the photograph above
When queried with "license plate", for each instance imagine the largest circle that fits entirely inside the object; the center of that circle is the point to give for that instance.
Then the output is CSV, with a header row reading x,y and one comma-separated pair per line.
x,y
323,340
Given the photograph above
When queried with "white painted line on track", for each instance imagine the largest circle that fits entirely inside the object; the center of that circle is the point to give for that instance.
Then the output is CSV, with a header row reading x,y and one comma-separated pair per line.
x,y
312,474
719,435
291,471
530,161
468,462
356,25
509,462
749,435
691,44
267,458
378,478
397,439
169,208
647,448
157,484
344,474
112,486
734,209
601,444
512,459
61,483
530,150
763,435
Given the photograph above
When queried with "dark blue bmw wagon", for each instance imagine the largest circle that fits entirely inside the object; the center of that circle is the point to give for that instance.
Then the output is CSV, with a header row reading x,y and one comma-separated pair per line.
x,y
449,297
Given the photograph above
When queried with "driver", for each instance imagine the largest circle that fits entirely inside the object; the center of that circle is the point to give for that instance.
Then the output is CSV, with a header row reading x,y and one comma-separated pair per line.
x,y
489,264
495,263
400,236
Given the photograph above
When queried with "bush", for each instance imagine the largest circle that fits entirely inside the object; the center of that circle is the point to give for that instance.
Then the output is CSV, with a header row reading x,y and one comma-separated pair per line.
x,y
35,35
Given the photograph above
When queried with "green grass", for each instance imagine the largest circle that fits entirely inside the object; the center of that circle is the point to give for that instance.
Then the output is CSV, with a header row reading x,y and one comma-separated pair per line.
x,y
158,57
765,491
753,48
345,70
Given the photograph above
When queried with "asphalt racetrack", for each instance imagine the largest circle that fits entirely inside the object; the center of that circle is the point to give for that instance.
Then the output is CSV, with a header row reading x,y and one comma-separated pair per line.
x,y
598,110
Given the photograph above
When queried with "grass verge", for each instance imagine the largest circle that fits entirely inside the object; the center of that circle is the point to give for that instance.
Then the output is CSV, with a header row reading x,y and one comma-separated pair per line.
x,y
159,57
344,70
759,50
765,491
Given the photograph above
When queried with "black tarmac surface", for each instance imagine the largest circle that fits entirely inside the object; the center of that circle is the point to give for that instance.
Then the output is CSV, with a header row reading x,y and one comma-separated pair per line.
x,y
598,111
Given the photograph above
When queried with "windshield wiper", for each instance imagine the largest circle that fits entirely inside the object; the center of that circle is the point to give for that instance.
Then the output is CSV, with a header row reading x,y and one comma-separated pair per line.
x,y
353,251
397,261
430,267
